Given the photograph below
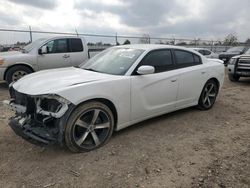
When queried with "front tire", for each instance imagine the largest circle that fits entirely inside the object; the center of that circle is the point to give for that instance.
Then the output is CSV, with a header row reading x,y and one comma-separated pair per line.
x,y
208,95
233,78
89,127
16,72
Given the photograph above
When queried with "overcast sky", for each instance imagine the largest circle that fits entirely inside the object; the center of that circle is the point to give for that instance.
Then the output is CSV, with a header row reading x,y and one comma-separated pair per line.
x,y
211,19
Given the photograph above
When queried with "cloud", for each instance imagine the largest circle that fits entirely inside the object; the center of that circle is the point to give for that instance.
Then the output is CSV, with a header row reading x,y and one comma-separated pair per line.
x,y
209,19
43,4
193,18
6,19
133,13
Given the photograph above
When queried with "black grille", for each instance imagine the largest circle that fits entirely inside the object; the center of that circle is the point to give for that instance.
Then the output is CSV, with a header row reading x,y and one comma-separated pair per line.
x,y
24,100
20,98
244,64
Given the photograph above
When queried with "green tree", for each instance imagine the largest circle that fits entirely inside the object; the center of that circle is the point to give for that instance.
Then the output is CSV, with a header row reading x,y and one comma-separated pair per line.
x,y
248,41
231,39
145,39
126,42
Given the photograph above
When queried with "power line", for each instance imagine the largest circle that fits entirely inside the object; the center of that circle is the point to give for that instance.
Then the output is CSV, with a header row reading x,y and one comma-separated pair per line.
x,y
100,35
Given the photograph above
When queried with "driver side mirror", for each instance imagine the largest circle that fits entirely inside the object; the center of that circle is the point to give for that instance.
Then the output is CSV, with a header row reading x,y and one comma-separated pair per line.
x,y
145,69
43,50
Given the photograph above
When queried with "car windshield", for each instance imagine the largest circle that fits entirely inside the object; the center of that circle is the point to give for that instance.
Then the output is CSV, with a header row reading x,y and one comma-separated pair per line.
x,y
30,46
236,49
115,61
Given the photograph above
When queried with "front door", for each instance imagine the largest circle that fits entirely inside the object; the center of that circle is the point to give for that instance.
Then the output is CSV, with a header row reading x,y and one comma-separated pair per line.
x,y
154,94
57,55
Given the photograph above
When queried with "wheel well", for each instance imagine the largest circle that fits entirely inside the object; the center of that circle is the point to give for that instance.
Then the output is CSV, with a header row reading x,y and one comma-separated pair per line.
x,y
109,104
24,65
216,81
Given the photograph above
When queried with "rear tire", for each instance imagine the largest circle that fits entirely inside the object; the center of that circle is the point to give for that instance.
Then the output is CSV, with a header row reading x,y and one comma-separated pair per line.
x,y
89,127
208,95
233,78
16,72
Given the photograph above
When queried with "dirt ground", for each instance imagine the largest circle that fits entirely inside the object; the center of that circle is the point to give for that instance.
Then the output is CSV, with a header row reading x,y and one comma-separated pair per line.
x,y
188,148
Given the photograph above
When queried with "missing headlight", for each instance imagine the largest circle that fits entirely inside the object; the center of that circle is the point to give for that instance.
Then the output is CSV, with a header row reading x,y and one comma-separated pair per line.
x,y
51,105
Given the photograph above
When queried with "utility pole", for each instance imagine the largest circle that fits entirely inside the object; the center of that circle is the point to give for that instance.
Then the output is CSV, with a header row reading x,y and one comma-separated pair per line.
x,y
30,34
116,40
76,32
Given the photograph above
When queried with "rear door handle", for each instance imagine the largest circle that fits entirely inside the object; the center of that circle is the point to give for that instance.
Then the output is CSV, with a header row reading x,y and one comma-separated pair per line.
x,y
173,80
203,72
66,56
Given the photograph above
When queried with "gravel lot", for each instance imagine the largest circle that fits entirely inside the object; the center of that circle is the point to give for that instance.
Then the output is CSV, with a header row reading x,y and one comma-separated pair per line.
x,y
188,148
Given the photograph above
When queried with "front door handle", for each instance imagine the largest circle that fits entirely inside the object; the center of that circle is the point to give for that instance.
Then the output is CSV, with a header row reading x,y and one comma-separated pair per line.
x,y
203,72
66,56
173,80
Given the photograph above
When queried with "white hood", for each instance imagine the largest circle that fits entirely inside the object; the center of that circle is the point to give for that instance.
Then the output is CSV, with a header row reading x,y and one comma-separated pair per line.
x,y
10,53
50,81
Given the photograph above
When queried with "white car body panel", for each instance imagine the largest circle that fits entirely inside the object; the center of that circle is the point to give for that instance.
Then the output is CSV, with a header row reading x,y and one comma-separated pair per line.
x,y
135,98
68,77
191,82
148,94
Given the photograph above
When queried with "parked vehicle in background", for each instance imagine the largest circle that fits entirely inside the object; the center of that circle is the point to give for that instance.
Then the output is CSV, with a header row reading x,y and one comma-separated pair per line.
x,y
207,53
81,107
44,53
226,56
239,66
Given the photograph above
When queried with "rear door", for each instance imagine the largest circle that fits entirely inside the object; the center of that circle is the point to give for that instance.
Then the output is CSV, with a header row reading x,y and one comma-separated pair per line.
x,y
156,93
57,55
192,78
77,51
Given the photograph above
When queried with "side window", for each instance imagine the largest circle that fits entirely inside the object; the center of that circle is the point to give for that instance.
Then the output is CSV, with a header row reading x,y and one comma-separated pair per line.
x,y
185,59
206,52
50,46
75,45
57,46
161,60
197,59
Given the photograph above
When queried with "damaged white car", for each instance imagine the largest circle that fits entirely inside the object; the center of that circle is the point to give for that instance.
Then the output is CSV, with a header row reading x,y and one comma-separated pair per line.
x,y
81,107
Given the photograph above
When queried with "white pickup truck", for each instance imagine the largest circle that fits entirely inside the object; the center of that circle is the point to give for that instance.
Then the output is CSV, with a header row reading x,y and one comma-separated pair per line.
x,y
44,53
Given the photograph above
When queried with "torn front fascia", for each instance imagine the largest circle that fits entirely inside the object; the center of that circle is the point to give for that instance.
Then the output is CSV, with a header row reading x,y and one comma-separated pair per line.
x,y
61,110
15,107
35,127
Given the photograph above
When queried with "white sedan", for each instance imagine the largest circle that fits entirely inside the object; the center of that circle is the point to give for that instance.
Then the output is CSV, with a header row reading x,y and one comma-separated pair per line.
x,y
81,107
207,53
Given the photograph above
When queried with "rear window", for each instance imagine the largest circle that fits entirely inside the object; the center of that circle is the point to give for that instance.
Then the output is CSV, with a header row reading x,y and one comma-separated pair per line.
x,y
184,58
206,52
76,45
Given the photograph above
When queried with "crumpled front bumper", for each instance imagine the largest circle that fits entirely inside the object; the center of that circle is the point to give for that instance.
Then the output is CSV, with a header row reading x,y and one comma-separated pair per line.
x,y
34,134
37,125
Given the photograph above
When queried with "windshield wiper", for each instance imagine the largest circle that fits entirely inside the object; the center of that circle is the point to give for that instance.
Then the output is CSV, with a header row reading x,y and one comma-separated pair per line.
x,y
90,69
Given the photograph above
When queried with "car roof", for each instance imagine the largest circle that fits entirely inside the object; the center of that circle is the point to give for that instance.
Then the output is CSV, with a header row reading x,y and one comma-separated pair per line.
x,y
58,37
149,47
200,49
